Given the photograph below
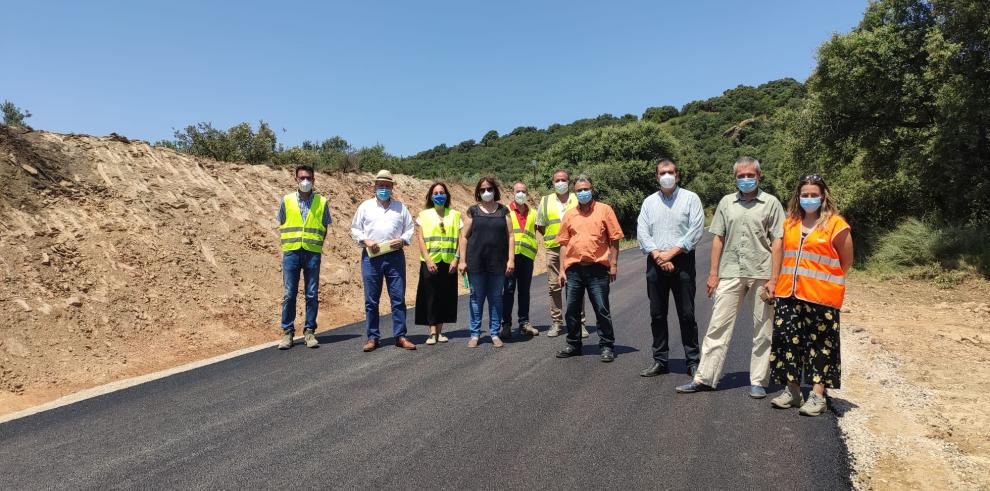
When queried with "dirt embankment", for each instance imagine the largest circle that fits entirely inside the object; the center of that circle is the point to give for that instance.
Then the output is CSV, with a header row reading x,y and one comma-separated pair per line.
x,y
913,405
119,259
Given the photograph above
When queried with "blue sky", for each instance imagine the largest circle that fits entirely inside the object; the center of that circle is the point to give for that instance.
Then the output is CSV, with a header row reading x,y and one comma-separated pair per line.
x,y
408,75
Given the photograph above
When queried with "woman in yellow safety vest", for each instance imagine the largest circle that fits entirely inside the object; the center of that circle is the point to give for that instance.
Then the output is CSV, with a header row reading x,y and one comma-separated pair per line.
x,y
818,252
438,232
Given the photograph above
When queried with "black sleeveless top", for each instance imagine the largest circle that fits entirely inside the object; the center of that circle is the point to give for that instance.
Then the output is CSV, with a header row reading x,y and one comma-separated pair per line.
x,y
488,245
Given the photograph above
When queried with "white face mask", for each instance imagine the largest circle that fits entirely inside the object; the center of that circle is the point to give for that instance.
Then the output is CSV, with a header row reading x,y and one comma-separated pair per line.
x,y
668,181
520,197
305,185
560,187
487,196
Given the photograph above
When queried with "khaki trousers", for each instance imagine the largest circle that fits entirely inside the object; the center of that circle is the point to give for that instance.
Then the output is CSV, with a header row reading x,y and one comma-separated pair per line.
x,y
729,297
556,292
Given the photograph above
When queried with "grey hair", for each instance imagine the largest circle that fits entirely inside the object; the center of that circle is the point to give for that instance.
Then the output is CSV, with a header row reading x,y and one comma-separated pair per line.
x,y
744,160
583,178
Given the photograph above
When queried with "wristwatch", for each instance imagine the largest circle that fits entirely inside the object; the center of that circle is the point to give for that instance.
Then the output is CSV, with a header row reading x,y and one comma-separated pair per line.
x,y
457,256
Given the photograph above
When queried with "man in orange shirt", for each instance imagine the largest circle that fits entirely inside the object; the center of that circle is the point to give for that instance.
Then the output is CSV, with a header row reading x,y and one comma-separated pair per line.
x,y
589,238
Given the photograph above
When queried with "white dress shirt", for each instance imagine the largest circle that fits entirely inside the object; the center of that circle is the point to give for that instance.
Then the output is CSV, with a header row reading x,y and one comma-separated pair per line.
x,y
372,221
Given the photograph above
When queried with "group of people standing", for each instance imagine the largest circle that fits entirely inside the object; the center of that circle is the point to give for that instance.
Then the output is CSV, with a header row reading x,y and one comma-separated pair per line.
x,y
789,266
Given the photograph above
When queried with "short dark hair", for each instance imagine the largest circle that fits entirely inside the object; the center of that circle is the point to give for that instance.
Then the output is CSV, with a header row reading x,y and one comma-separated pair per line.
x,y
490,180
668,160
308,168
558,171
429,194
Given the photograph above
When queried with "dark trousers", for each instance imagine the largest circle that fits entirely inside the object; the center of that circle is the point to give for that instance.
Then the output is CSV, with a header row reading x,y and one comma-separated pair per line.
x,y
659,285
294,263
521,279
390,269
591,278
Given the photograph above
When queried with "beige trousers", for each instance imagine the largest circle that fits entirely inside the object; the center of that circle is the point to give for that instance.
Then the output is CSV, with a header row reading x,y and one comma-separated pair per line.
x,y
556,292
729,297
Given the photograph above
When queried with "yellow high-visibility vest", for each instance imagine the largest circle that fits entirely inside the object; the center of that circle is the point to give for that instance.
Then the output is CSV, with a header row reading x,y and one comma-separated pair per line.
x,y
552,217
298,235
525,237
441,241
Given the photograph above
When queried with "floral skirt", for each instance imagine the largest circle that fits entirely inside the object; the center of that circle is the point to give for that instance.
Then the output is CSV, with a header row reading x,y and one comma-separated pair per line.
x,y
805,344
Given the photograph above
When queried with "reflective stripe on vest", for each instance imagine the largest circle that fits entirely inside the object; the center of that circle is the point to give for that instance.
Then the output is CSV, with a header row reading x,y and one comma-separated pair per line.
x,y
295,234
818,275
441,242
552,218
828,261
811,269
525,237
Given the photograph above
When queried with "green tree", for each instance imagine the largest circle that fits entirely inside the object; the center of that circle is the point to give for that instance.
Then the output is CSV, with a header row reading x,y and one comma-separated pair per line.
x,y
489,138
13,115
899,109
660,114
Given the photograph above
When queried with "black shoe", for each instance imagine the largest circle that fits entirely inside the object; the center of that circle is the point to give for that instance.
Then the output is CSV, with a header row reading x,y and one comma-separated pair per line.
x,y
656,369
691,370
568,352
607,355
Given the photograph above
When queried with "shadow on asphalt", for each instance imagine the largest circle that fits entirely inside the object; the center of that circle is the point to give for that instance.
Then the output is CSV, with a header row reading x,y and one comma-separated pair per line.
x,y
335,338
733,380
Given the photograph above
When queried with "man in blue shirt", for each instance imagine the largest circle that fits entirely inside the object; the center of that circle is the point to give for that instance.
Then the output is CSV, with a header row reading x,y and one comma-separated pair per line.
x,y
670,225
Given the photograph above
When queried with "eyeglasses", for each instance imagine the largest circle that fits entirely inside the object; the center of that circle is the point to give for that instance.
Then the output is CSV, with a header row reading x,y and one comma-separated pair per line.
x,y
487,189
813,178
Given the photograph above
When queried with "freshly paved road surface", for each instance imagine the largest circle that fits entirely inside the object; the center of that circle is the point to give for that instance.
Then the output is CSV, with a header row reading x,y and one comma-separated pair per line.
x,y
440,417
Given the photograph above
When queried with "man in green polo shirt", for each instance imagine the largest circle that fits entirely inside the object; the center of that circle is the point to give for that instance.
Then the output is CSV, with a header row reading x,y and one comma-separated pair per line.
x,y
748,228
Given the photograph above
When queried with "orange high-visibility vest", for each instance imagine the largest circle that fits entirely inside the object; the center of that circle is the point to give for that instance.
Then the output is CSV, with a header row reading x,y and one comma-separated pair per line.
x,y
811,270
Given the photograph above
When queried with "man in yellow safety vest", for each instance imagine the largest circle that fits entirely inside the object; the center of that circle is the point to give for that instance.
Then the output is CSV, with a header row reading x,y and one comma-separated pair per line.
x,y
548,217
303,218
524,229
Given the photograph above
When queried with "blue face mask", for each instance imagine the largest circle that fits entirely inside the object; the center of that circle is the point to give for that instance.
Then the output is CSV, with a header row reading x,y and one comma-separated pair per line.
x,y
584,197
811,205
383,194
439,199
746,184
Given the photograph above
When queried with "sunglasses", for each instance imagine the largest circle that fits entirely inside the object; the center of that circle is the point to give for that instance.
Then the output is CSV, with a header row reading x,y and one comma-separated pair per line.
x,y
813,178
487,189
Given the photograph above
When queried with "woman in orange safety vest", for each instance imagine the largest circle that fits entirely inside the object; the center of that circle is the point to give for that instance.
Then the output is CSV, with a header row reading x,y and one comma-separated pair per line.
x,y
818,251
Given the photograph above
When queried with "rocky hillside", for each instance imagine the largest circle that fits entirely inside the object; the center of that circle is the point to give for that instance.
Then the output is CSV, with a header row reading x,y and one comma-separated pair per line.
x,y
119,258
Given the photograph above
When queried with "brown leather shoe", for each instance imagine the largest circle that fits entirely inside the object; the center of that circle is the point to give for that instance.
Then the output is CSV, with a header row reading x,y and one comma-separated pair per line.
x,y
404,343
370,345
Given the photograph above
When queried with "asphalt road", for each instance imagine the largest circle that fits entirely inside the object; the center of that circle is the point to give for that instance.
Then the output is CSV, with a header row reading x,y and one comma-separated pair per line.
x,y
444,417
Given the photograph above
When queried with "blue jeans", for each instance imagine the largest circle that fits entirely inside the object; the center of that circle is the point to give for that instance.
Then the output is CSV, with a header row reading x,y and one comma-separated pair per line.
x,y
309,264
521,279
486,286
391,268
594,279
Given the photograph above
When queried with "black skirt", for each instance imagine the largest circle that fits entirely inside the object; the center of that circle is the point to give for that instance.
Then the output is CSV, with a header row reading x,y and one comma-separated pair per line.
x,y
436,296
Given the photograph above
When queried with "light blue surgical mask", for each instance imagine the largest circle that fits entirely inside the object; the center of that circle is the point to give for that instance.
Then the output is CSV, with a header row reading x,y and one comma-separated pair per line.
x,y
746,184
811,205
383,194
584,197
439,199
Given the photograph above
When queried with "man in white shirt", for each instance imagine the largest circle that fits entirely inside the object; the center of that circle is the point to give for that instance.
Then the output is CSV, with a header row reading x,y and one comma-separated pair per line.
x,y
382,226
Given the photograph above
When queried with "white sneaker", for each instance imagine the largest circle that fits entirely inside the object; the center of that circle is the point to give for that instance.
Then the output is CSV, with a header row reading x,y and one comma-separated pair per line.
x,y
442,338
431,339
787,400
814,406
555,330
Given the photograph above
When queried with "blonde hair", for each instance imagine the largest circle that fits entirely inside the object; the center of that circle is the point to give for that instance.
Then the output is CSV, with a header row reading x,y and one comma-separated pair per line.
x,y
828,208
